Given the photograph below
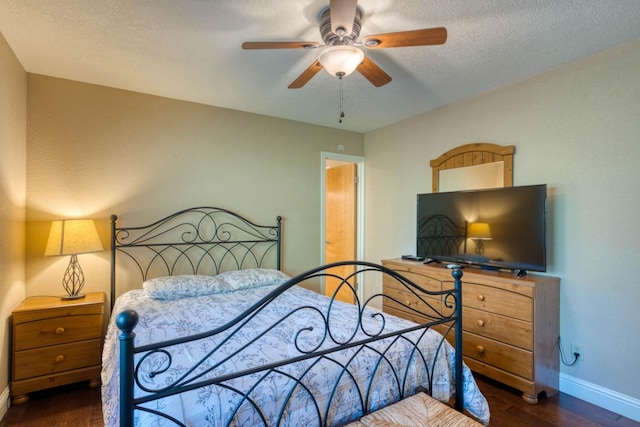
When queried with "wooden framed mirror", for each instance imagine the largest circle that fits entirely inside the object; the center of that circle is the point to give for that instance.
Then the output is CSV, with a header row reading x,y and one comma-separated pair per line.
x,y
473,166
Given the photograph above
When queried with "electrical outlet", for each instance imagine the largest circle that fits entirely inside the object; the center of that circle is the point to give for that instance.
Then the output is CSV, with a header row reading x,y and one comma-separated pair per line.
x,y
577,348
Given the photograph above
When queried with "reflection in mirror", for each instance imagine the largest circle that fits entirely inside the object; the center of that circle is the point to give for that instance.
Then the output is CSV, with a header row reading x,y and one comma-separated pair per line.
x,y
488,175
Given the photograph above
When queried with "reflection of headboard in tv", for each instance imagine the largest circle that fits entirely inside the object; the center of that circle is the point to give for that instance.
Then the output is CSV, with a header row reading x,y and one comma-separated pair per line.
x,y
439,235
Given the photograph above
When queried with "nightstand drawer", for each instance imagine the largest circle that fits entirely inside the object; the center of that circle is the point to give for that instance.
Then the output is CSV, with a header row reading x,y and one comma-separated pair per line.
x,y
505,329
502,356
55,331
496,300
59,358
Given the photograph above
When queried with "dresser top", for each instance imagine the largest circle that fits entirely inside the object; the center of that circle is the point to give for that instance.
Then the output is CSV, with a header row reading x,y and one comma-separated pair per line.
x,y
474,274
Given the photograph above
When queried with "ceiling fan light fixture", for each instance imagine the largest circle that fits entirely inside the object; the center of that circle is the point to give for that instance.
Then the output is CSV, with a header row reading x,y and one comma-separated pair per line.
x,y
341,60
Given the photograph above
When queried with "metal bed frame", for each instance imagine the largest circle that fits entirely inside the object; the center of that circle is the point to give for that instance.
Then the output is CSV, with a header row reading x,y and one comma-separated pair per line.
x,y
200,240
217,239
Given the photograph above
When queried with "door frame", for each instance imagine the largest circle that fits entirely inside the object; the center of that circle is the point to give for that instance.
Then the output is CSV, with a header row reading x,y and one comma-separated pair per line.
x,y
359,162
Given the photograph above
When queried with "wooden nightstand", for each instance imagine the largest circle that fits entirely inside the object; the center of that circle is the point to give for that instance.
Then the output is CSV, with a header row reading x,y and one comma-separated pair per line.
x,y
56,342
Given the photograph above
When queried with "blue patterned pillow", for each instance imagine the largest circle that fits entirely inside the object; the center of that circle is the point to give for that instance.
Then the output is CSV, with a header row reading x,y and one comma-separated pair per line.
x,y
183,286
253,278
195,285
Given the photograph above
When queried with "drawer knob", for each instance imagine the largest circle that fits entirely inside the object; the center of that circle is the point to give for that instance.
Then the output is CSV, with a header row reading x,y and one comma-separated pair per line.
x,y
60,358
480,297
480,322
59,331
408,303
480,349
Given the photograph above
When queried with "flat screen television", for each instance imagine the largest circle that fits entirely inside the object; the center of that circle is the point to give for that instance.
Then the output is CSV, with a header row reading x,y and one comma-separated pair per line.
x,y
500,228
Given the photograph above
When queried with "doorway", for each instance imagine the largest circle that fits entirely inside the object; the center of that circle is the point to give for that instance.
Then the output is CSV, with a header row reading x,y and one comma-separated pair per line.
x,y
342,213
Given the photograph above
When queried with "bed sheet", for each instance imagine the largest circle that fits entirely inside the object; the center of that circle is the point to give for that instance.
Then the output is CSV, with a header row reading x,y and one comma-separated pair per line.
x,y
162,320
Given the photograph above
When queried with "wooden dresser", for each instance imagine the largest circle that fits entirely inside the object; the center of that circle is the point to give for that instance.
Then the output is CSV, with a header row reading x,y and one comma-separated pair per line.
x,y
56,342
510,324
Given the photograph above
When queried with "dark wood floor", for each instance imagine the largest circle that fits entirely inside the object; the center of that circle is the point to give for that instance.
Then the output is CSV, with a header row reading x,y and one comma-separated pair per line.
x,y
79,406
508,409
75,405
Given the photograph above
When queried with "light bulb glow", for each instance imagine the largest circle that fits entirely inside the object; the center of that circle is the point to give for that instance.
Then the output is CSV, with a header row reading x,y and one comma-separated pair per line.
x,y
341,60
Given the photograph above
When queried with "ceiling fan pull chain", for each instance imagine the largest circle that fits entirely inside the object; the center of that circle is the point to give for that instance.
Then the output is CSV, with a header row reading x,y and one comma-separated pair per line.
x,y
341,101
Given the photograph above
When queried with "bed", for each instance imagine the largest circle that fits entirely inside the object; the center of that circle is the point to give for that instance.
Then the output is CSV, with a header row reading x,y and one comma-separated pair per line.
x,y
218,335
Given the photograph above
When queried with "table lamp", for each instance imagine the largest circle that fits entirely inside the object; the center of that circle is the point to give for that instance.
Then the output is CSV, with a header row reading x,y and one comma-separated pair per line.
x,y
73,237
479,231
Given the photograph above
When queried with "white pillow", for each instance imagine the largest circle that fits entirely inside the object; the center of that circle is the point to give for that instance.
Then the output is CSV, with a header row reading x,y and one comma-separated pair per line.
x,y
183,286
253,278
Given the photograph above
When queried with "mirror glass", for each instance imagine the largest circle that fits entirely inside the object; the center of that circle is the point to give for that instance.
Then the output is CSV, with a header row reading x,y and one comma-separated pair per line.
x,y
487,175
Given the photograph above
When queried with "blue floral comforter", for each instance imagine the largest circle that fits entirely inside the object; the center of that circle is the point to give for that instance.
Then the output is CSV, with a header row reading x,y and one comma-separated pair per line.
x,y
182,306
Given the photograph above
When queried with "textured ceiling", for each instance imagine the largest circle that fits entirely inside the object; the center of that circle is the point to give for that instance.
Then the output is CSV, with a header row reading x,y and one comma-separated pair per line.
x,y
191,50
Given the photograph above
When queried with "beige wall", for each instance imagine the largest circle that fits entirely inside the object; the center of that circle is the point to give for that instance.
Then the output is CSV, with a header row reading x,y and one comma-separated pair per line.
x,y
575,128
95,151
13,114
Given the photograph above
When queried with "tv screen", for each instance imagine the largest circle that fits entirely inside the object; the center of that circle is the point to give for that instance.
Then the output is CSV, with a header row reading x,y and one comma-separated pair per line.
x,y
499,228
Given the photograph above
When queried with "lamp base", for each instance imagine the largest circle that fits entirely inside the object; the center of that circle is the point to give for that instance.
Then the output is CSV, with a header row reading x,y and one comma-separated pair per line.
x,y
69,297
73,280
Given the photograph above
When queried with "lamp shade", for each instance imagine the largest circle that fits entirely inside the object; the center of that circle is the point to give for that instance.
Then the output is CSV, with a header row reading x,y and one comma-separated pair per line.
x,y
341,60
72,236
479,230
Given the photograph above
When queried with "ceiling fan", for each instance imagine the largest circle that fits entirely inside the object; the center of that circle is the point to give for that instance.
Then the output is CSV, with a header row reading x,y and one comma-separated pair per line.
x,y
340,27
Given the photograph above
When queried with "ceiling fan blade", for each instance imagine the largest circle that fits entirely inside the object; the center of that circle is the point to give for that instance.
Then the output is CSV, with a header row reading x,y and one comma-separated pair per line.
x,y
373,73
425,37
343,13
306,75
279,45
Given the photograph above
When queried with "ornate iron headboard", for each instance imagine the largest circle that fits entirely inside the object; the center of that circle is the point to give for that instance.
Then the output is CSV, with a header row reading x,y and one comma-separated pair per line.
x,y
201,240
439,235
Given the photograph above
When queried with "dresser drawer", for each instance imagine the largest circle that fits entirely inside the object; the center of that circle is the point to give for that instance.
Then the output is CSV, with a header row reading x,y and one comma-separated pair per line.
x,y
59,358
507,303
502,356
421,320
510,324
427,283
410,303
58,330
495,326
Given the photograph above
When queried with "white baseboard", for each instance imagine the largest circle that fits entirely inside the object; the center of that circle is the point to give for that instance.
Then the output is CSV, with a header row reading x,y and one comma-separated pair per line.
x,y
4,402
613,401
